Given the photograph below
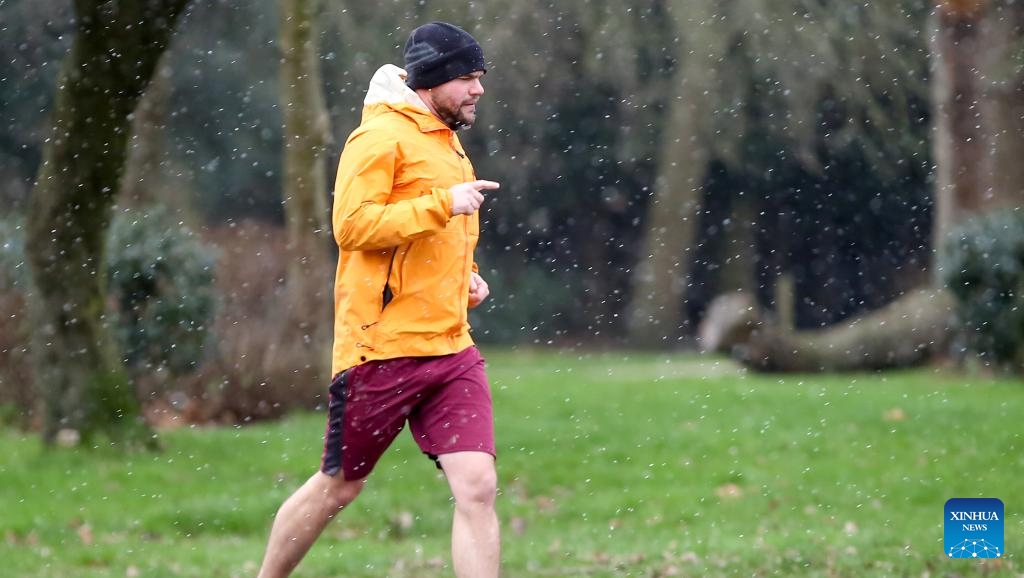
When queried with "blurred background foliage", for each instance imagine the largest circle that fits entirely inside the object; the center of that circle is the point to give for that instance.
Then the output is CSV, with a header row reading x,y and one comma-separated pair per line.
x,y
814,113
811,123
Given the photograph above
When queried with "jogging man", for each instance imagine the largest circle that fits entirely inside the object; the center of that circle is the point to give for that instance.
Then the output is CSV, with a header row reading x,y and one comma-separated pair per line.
x,y
406,222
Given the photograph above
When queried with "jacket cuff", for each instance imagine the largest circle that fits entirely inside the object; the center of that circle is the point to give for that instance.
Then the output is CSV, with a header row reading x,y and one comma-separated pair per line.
x,y
444,197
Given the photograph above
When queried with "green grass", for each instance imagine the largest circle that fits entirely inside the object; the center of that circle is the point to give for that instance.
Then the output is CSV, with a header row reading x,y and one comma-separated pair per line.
x,y
610,464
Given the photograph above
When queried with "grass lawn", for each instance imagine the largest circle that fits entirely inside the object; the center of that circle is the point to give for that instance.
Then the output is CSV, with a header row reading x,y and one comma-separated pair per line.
x,y
611,464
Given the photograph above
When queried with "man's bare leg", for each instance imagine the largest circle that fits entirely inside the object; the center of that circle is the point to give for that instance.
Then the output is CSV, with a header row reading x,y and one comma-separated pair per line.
x,y
302,518
476,544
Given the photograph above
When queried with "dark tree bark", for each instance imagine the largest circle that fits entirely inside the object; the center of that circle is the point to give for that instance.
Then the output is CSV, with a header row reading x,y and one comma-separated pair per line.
x,y
116,47
1002,102
978,88
959,137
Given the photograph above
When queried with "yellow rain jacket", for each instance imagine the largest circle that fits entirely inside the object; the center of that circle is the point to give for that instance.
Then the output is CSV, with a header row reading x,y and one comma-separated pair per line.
x,y
402,286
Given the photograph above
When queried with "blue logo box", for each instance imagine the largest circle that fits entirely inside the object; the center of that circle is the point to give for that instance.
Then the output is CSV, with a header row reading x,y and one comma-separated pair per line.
x,y
974,528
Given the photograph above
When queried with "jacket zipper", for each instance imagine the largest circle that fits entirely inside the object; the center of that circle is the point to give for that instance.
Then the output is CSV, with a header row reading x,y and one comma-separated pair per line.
x,y
386,296
463,312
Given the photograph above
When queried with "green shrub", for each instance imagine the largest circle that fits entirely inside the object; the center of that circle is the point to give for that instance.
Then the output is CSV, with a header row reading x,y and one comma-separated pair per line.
x,y
983,266
161,279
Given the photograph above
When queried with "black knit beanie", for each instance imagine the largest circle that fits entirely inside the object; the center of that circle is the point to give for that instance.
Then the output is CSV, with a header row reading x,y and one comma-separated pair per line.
x,y
438,52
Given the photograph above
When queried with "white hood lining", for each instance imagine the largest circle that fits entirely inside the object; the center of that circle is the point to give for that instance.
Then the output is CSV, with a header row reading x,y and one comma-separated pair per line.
x,y
388,86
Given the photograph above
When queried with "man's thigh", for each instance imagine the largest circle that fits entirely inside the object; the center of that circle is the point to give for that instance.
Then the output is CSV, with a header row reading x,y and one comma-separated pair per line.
x,y
458,416
446,400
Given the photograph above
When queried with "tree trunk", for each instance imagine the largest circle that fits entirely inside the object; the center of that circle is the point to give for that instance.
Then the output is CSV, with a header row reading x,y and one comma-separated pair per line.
x,y
655,314
306,136
140,185
959,145
659,313
1002,103
114,53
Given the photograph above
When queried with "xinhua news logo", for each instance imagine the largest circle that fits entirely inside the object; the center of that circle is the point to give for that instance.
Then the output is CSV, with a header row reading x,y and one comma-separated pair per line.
x,y
974,528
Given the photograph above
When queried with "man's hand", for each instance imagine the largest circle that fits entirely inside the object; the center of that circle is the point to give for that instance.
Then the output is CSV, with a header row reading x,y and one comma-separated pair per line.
x,y
467,198
478,290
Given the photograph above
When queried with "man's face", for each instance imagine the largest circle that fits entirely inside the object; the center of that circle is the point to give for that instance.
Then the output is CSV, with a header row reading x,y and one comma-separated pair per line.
x,y
454,102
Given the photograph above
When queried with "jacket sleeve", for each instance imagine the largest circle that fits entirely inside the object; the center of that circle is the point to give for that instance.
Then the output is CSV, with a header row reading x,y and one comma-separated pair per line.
x,y
363,219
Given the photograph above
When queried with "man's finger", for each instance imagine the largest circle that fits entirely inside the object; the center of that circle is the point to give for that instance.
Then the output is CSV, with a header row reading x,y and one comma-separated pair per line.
x,y
478,185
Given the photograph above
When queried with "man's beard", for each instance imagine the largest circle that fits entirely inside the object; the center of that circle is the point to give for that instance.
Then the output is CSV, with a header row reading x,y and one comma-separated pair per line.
x,y
454,119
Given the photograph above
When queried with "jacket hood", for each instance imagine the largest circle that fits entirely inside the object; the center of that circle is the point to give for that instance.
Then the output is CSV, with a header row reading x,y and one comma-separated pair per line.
x,y
388,91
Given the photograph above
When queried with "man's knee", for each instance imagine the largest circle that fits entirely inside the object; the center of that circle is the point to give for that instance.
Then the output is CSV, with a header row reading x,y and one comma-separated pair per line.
x,y
473,482
483,486
341,492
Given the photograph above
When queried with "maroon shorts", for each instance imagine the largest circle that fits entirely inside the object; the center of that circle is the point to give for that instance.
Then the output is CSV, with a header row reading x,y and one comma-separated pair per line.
x,y
446,400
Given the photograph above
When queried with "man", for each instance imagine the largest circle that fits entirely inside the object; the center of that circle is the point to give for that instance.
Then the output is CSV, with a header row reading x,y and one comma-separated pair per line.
x,y
406,222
